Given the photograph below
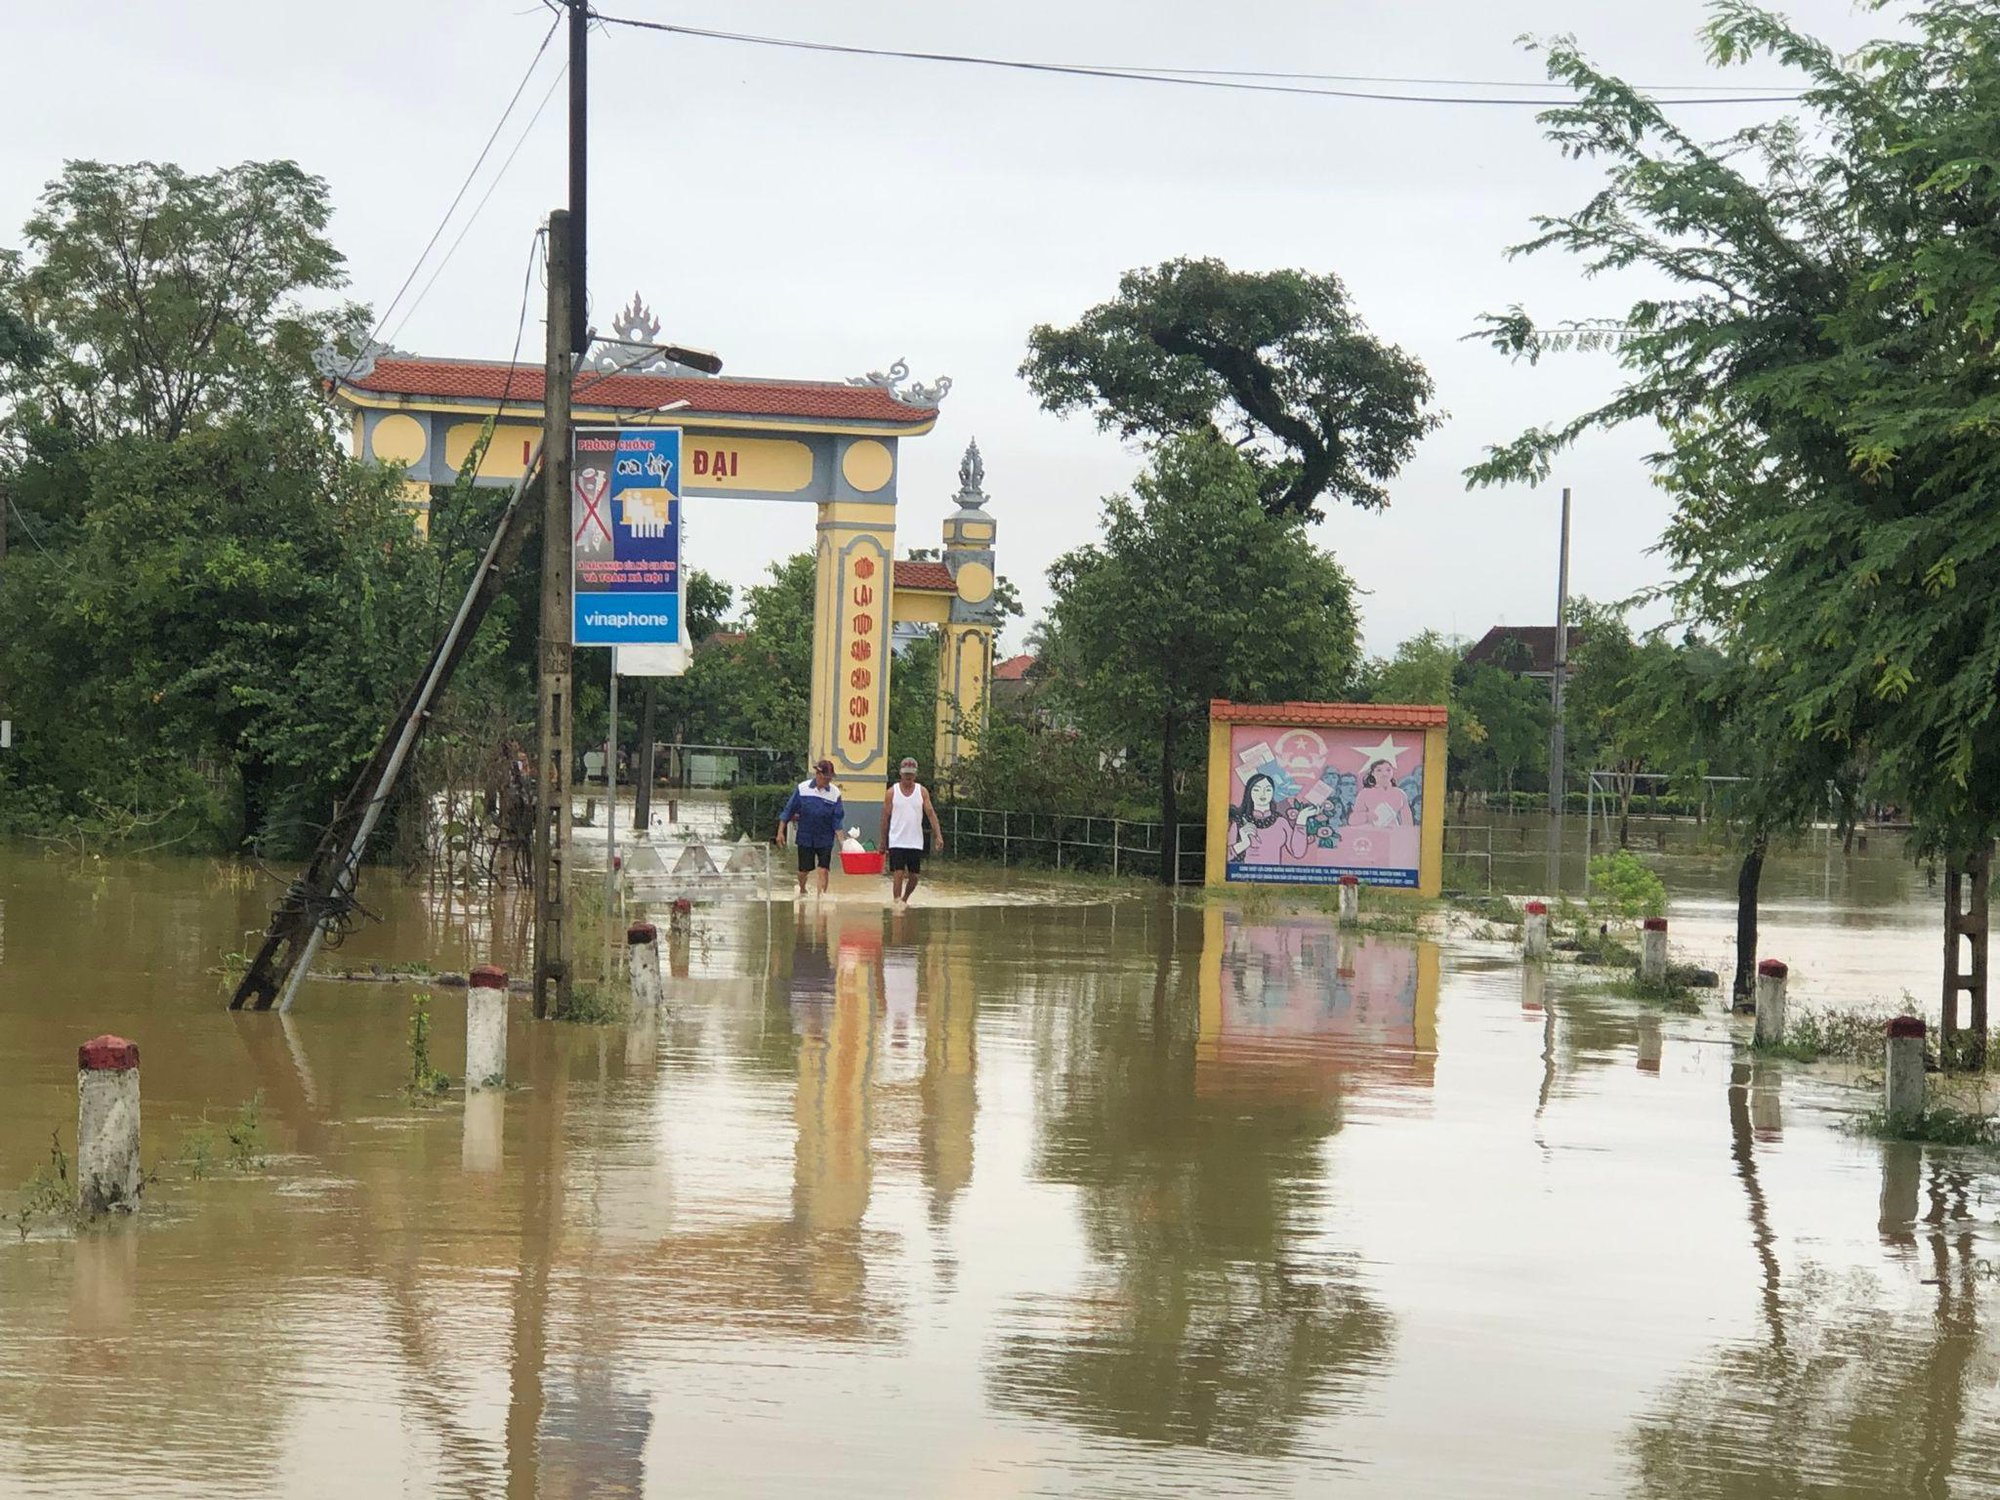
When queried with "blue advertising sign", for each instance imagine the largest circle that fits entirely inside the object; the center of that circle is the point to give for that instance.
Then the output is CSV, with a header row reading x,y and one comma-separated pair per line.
x,y
625,520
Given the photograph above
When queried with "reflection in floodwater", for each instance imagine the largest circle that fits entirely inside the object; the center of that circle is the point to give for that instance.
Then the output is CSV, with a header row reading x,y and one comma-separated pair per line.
x,y
1846,1393
1214,1314
1119,1196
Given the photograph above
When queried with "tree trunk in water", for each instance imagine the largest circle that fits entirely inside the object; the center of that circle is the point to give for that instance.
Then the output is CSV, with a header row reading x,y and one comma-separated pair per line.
x,y
1625,785
1748,877
1170,830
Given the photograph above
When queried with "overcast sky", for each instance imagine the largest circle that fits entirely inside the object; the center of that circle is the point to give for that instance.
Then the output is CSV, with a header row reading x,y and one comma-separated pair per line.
x,y
813,216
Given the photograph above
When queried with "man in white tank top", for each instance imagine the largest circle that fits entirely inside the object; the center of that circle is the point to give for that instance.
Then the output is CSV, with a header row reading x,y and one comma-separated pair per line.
x,y
904,810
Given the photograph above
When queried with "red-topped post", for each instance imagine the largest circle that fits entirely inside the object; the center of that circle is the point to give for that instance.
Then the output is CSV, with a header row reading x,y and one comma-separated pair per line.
x,y
486,1028
1903,1068
642,943
107,1125
1535,931
1770,1003
1653,952
1350,898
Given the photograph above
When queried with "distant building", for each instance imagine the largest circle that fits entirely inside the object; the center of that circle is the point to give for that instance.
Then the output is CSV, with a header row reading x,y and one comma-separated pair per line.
x,y
1011,681
1525,650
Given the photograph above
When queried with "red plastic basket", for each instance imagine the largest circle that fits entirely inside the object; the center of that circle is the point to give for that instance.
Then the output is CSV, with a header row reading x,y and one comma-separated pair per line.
x,y
861,864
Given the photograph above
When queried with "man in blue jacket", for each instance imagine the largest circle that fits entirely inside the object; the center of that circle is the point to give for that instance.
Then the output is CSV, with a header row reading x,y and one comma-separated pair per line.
x,y
816,807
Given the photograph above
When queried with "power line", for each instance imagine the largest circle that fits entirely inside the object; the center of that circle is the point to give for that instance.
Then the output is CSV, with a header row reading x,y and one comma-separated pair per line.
x,y
459,196
1184,78
1462,83
480,207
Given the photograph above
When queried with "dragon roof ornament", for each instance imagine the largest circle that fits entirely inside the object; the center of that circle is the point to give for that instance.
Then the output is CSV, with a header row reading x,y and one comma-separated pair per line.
x,y
917,393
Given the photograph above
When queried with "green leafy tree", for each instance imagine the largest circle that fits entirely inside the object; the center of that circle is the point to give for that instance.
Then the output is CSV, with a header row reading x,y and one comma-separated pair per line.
x,y
1425,669
1499,720
913,702
238,617
1276,361
1514,712
758,690
1195,592
1823,364
158,298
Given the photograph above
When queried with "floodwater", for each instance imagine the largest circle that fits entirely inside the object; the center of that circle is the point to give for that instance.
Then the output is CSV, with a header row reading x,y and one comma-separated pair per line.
x,y
1090,1195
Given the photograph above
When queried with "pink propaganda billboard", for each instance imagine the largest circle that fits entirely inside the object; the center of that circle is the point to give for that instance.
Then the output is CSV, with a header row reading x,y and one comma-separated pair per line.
x,y
1307,806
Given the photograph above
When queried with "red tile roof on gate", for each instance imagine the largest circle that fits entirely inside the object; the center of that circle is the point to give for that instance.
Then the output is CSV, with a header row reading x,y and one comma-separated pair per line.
x,y
1357,715
476,380
933,577
1014,668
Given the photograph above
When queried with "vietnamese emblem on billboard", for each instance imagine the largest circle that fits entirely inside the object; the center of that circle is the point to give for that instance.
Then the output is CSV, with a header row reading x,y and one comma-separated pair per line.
x,y
1309,805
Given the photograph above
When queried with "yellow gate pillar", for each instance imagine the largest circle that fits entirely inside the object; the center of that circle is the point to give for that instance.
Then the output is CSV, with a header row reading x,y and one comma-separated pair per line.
x,y
850,679
965,640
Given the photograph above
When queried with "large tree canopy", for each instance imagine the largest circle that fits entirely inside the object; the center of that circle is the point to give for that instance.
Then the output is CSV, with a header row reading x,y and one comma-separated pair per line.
x,y
1277,361
1824,368
156,297
1195,592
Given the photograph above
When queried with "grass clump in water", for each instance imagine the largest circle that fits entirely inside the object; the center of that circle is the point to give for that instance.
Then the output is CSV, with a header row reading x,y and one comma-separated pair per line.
x,y
1670,995
1853,1036
49,1194
238,1147
592,1004
426,1081
1939,1125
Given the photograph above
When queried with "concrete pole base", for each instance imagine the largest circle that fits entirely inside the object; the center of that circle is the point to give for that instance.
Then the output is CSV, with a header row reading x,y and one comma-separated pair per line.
x,y
642,944
1653,952
1903,1068
1535,932
486,1029
107,1125
1771,979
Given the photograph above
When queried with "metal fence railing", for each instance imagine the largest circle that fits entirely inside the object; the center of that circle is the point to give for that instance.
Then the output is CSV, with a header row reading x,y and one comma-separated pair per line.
x,y
1063,841
1468,855
684,768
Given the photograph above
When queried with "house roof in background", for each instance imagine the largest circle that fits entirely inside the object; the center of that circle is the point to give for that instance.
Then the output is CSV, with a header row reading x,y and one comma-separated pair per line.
x,y
1014,668
1496,648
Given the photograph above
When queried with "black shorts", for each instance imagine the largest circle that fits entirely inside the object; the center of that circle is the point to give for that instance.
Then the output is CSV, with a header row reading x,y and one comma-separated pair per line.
x,y
911,861
810,857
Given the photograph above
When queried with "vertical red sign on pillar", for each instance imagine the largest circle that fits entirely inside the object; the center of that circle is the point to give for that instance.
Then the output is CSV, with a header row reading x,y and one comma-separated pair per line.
x,y
859,706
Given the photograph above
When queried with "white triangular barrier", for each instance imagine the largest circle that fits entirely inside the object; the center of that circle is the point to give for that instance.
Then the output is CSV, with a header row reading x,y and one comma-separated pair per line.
x,y
694,860
744,857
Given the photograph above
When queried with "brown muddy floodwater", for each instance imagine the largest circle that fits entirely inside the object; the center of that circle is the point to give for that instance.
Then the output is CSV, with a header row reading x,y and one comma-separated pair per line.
x,y
1089,1194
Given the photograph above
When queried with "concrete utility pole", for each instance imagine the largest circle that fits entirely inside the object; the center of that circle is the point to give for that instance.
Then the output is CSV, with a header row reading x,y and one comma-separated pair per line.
x,y
642,803
1556,703
553,971
579,169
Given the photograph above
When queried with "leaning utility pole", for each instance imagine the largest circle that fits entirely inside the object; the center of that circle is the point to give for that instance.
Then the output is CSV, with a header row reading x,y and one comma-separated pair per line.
x,y
552,802
1556,779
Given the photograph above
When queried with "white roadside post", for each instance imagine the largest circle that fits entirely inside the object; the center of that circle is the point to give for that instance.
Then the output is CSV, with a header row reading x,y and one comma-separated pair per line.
x,y
107,1125
1771,975
486,1028
1903,1068
1535,931
1653,952
642,942
1350,899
